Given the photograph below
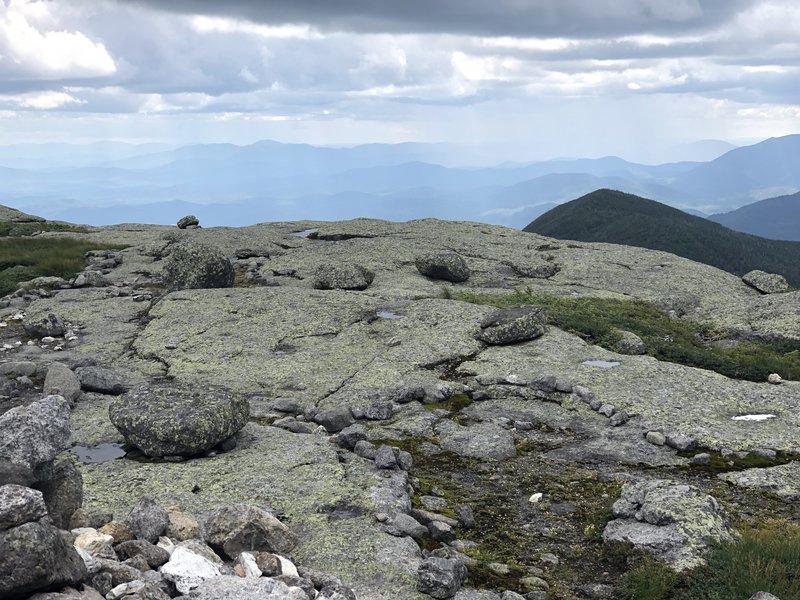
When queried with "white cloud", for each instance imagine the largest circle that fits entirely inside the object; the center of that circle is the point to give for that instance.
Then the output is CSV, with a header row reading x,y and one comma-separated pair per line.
x,y
40,100
46,53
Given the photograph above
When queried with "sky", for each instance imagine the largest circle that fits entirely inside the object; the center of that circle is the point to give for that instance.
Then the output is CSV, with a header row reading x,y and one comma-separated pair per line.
x,y
520,79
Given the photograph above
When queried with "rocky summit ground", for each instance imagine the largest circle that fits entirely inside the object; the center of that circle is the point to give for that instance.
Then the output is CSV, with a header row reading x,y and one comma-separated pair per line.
x,y
399,433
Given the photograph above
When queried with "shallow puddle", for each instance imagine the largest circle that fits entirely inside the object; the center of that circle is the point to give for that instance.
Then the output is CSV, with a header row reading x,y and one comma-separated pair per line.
x,y
756,417
602,364
98,454
305,233
387,314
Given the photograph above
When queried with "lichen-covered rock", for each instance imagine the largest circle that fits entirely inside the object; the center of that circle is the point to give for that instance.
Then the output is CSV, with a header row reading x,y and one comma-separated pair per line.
x,y
631,344
193,265
241,527
766,283
441,577
447,266
188,221
101,380
36,556
512,325
61,380
147,519
481,440
230,587
90,279
20,505
32,435
48,324
170,420
342,276
63,491
676,523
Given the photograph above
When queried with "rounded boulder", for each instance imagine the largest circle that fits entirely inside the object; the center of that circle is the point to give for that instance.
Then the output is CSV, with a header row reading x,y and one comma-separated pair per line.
x,y
193,265
447,266
173,420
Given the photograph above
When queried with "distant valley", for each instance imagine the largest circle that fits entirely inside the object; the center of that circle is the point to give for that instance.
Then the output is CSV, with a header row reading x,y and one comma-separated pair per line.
x,y
224,184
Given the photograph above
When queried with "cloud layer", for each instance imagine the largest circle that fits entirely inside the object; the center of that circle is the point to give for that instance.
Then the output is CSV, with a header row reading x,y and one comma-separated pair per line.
x,y
398,68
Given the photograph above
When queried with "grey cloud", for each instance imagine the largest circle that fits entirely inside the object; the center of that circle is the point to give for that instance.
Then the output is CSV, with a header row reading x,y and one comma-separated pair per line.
x,y
531,18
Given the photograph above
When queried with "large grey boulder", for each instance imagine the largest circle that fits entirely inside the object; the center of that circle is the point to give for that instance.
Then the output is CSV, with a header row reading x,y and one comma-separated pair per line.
x,y
35,557
342,276
512,325
244,528
676,523
32,435
440,577
447,266
766,283
229,587
62,381
20,505
193,265
175,420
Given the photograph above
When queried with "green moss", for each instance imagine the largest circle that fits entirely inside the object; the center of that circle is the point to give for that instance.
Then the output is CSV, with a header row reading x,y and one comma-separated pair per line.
x,y
725,464
601,320
453,404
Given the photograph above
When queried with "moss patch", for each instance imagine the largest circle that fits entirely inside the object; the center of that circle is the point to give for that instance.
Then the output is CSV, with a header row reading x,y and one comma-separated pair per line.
x,y
601,321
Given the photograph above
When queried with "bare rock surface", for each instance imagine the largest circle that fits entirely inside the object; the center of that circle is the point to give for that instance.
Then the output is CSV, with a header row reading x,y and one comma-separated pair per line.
x,y
378,391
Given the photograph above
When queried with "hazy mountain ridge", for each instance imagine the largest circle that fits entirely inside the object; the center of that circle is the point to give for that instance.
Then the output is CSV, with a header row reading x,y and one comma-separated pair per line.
x,y
773,218
274,181
615,217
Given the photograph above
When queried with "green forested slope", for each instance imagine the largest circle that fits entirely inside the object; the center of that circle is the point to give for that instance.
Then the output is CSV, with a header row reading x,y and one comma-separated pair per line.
x,y
619,218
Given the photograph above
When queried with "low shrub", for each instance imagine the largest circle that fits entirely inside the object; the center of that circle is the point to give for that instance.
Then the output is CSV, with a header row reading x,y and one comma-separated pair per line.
x,y
22,259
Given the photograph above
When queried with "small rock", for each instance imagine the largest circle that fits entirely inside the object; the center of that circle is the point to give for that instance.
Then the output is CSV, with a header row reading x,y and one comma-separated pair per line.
x,y
103,381
441,532
703,458
45,325
681,442
62,381
365,449
192,265
618,418
512,325
465,516
532,582
182,526
766,283
147,520
774,379
96,544
350,436
385,458
607,410
631,344
187,570
763,596
240,527
336,419
535,498
549,558
153,555
446,266
342,276
19,505
409,526
440,577
269,564
248,564
656,438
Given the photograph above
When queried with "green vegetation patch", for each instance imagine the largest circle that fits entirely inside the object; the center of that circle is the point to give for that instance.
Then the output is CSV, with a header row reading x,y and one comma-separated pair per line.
x,y
601,321
22,259
763,559
9,229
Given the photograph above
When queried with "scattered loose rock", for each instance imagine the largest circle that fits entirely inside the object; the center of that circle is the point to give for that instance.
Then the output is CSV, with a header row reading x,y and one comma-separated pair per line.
x,y
512,325
766,283
193,265
447,266
339,276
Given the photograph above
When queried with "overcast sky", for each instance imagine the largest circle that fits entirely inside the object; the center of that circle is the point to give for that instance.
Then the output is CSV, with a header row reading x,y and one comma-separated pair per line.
x,y
525,78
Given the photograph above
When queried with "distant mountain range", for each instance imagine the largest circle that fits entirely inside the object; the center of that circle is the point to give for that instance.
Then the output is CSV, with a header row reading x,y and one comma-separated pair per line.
x,y
225,184
774,218
619,218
